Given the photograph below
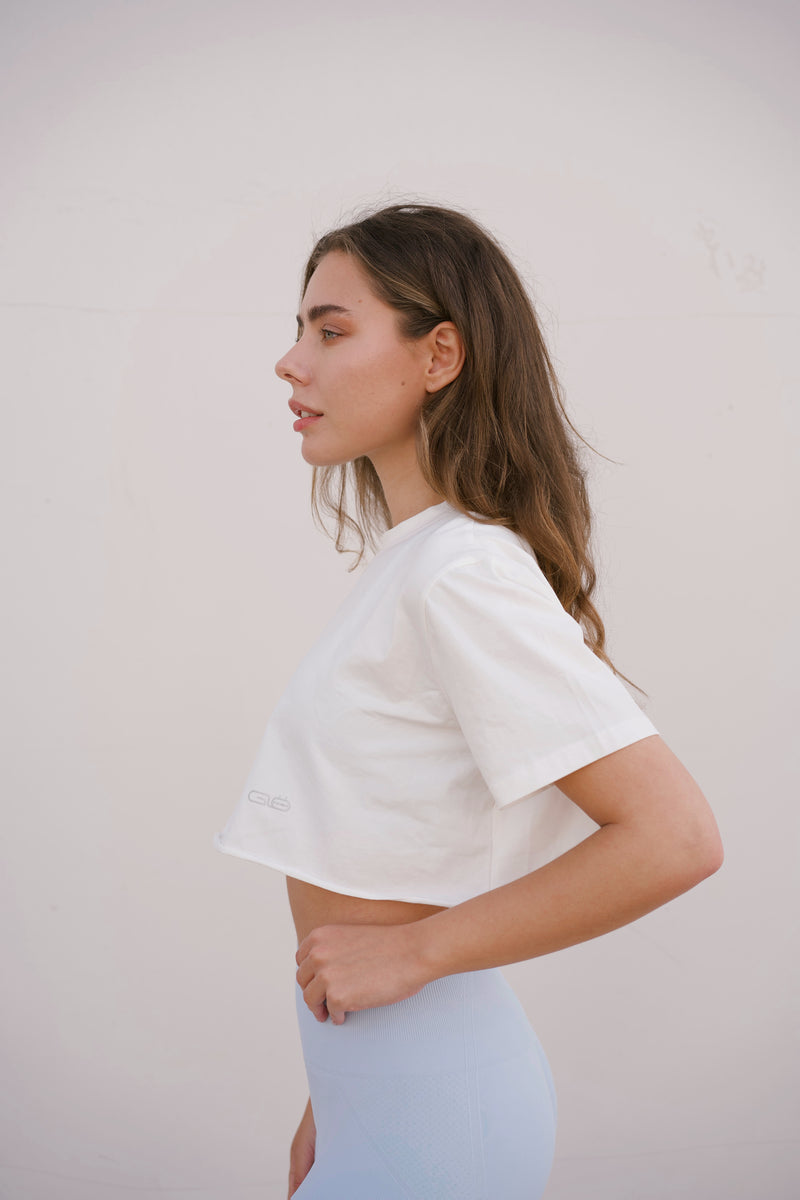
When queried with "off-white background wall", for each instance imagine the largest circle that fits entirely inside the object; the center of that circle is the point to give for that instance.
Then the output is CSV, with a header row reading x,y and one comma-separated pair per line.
x,y
165,166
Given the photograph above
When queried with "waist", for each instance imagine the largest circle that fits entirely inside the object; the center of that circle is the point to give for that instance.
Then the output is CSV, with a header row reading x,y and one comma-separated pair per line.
x,y
313,906
475,1013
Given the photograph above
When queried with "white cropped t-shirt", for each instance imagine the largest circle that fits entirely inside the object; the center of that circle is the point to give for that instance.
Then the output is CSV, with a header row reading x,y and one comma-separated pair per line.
x,y
414,751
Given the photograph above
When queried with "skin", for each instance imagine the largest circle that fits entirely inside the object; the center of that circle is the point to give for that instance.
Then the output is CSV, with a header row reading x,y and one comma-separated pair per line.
x,y
657,836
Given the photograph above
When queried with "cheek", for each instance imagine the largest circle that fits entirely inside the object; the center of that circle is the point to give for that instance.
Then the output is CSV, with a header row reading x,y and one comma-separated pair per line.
x,y
384,384
401,382
375,385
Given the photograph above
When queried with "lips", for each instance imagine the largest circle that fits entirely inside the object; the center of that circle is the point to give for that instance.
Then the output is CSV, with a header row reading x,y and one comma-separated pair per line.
x,y
306,415
304,421
302,410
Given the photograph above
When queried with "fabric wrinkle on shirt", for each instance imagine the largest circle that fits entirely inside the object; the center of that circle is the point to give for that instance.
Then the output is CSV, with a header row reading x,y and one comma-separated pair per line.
x,y
414,752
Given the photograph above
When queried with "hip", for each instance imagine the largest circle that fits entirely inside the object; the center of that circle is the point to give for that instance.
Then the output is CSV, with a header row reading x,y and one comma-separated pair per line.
x,y
449,1090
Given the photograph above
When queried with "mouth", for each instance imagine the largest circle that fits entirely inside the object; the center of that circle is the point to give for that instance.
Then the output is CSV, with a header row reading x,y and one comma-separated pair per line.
x,y
306,415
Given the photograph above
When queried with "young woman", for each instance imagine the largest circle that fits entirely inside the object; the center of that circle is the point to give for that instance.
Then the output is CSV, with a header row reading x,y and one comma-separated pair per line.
x,y
429,778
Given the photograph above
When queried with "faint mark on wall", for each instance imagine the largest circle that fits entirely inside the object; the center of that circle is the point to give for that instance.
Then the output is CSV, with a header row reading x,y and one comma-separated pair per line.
x,y
747,271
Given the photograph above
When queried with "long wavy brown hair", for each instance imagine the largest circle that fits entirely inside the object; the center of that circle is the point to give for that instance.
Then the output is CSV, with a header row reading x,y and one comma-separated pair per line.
x,y
497,441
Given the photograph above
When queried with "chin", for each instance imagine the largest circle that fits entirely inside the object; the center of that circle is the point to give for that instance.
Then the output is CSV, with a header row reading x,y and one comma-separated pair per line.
x,y
318,458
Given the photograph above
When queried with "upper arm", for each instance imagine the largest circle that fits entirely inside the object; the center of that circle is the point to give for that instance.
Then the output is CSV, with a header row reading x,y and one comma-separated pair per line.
x,y
646,788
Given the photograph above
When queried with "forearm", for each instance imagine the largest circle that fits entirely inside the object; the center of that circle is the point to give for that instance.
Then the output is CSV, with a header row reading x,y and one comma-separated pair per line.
x,y
608,880
656,838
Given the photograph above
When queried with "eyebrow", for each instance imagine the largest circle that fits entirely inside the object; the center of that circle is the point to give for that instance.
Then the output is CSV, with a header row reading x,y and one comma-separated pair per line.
x,y
322,310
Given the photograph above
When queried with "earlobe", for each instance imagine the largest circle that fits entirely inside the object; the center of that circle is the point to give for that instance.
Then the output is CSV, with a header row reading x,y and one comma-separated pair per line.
x,y
447,356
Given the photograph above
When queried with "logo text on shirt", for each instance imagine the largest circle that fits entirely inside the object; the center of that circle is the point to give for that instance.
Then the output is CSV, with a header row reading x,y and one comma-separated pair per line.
x,y
279,802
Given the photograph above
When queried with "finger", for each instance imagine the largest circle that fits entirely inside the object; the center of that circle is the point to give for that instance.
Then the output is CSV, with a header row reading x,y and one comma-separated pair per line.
x,y
337,1016
314,997
305,947
304,975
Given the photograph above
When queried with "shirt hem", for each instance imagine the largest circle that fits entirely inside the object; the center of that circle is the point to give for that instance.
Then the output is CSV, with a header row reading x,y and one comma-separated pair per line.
x,y
329,885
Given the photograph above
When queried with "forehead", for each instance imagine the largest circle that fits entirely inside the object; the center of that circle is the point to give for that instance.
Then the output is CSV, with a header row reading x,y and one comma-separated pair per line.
x,y
339,280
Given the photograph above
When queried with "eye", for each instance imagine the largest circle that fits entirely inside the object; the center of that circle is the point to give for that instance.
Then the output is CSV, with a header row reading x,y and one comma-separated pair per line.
x,y
329,334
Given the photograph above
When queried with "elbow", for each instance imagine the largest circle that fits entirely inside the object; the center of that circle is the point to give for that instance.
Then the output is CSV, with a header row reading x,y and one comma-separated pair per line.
x,y
713,853
698,840
686,852
703,854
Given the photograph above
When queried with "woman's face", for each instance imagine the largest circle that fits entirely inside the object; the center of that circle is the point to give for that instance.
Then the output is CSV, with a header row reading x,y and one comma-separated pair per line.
x,y
350,366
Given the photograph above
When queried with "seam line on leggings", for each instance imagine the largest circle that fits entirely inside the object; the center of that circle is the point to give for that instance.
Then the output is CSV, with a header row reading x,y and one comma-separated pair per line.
x,y
386,1165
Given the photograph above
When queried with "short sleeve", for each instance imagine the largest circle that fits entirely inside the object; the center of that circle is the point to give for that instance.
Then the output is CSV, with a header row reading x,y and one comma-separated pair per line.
x,y
532,700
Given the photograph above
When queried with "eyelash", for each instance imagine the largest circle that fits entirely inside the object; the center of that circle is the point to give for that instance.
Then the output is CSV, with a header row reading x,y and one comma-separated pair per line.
x,y
332,335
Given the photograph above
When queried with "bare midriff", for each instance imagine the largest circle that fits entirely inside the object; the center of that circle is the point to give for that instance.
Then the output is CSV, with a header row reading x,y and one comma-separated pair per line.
x,y
313,906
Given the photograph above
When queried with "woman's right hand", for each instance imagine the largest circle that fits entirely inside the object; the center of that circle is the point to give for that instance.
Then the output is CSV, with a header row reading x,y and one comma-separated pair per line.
x,y
301,1155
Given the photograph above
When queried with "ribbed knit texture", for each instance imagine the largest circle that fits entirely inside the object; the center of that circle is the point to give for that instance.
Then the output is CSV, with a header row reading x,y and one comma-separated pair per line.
x,y
446,1095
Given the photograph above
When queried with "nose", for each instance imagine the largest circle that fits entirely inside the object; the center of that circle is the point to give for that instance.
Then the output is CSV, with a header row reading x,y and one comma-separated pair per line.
x,y
290,368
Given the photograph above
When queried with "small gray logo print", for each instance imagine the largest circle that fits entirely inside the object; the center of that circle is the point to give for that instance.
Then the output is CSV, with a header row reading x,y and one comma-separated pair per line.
x,y
279,802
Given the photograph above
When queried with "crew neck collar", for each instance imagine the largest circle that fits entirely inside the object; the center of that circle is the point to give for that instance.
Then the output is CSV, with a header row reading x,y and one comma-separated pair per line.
x,y
404,529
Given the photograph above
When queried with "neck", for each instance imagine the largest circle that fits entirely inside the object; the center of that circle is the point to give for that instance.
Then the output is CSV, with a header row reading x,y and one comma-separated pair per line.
x,y
405,490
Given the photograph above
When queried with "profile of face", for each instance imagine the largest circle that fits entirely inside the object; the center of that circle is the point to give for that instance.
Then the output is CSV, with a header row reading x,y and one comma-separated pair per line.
x,y
350,367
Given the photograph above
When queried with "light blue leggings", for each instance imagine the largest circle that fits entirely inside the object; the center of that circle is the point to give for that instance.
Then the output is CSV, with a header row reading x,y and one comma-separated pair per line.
x,y
444,1096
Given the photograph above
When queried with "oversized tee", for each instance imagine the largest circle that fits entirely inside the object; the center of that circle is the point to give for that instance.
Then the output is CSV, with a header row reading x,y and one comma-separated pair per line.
x,y
414,753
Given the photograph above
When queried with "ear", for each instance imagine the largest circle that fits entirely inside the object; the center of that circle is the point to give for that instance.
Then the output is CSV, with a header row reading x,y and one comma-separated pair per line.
x,y
446,350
